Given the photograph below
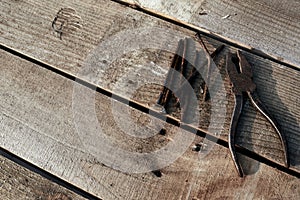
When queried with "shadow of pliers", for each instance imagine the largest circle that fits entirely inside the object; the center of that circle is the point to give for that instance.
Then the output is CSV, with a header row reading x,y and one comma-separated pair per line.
x,y
240,74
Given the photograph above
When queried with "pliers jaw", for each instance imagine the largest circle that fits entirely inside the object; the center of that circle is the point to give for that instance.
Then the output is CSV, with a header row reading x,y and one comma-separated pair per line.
x,y
240,75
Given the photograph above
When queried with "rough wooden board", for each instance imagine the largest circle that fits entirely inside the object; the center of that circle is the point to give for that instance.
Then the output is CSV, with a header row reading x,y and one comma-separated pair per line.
x,y
278,89
101,20
17,182
270,26
37,124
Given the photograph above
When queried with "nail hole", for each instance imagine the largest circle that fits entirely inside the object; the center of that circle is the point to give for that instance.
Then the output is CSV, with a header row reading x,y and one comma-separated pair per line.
x,y
157,173
197,147
162,131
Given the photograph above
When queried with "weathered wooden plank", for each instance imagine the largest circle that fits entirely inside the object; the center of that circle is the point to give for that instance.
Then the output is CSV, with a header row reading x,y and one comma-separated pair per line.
x,y
103,24
269,26
17,182
37,123
278,89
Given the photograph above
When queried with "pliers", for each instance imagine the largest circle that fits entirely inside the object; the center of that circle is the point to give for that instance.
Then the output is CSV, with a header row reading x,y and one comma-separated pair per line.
x,y
243,86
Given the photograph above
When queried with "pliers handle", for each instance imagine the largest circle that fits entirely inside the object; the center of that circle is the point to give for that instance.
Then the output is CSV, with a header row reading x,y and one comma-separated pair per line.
x,y
242,84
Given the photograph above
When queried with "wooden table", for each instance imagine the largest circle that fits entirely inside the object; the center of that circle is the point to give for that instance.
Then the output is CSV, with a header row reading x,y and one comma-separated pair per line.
x,y
44,63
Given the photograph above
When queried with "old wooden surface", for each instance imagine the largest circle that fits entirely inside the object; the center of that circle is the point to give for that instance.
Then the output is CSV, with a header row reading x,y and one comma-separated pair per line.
x,y
269,26
79,52
16,182
38,125
40,106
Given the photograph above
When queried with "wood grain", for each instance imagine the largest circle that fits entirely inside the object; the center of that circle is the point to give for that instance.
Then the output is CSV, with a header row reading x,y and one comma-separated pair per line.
x,y
17,182
26,27
277,88
37,119
269,26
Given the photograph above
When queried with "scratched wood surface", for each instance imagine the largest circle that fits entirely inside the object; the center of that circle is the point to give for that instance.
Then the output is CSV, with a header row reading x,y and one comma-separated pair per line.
x,y
16,182
26,26
37,123
269,26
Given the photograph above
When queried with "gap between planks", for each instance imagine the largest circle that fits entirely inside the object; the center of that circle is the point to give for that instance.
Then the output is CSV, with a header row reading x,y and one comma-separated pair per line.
x,y
211,177
140,107
207,33
21,162
70,59
67,54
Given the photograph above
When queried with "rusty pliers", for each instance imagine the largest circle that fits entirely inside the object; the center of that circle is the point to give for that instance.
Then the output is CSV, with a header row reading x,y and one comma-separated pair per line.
x,y
243,85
